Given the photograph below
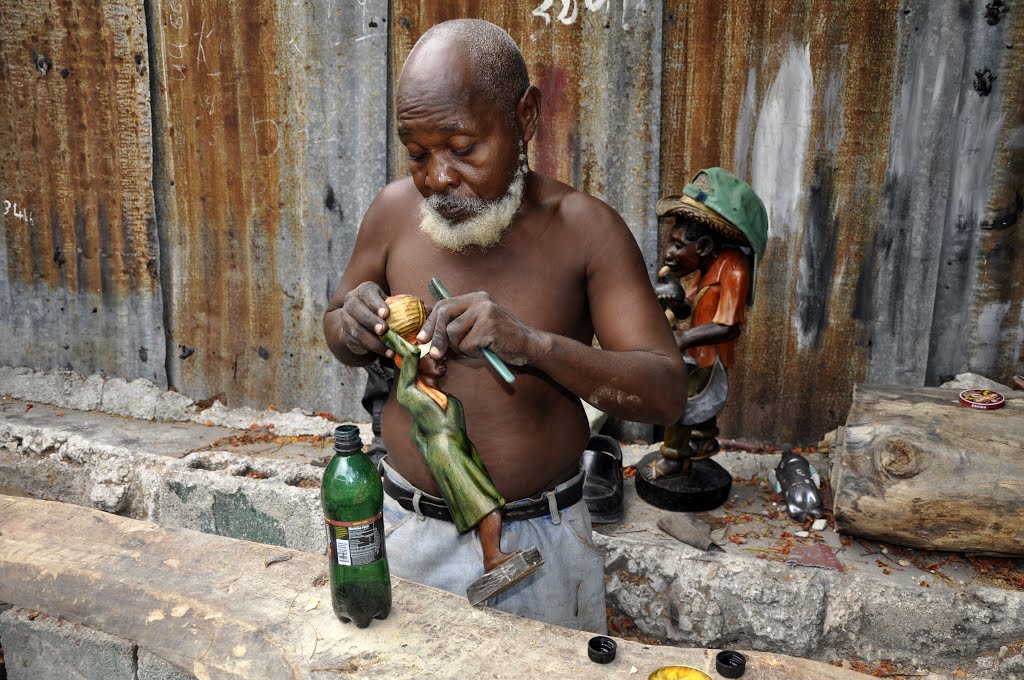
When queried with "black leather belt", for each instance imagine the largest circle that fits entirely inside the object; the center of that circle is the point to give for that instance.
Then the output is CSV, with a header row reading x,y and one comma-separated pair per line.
x,y
529,508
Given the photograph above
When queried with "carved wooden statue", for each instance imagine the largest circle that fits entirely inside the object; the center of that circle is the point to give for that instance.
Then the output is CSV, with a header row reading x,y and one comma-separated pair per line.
x,y
717,238
439,432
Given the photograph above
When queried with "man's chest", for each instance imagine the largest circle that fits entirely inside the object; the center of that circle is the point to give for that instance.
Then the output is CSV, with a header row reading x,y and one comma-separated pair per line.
x,y
544,287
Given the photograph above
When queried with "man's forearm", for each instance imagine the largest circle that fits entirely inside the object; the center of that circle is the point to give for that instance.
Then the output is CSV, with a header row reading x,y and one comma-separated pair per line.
x,y
637,385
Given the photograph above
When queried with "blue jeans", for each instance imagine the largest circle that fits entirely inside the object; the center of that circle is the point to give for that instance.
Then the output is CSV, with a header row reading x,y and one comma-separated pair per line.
x,y
568,590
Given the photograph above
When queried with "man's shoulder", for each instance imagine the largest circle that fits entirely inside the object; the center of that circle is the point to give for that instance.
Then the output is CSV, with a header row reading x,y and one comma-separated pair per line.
x,y
400,191
578,208
394,205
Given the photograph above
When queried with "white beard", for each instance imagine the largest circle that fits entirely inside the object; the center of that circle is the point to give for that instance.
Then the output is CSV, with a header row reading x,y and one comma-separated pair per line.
x,y
484,229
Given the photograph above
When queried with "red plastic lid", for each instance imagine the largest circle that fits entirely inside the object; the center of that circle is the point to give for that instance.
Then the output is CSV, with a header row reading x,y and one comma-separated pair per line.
x,y
986,400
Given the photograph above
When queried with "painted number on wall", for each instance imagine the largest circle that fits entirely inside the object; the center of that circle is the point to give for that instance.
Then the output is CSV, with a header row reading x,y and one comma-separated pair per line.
x,y
569,12
23,215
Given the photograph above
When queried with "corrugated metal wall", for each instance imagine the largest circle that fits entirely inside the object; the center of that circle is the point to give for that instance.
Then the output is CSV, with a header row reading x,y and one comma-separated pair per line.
x,y
794,97
78,257
270,138
886,138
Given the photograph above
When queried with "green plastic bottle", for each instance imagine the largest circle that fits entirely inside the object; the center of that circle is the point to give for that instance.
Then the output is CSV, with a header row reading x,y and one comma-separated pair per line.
x,y
353,500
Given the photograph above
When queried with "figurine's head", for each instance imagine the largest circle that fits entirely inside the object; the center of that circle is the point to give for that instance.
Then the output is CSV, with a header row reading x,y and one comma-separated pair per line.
x,y
466,111
720,206
691,246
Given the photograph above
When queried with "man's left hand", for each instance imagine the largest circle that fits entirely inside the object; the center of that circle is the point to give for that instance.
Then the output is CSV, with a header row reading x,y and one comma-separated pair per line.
x,y
468,323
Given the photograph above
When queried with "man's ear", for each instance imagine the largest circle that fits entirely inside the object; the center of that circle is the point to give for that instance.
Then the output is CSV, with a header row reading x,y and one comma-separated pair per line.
x,y
528,112
705,245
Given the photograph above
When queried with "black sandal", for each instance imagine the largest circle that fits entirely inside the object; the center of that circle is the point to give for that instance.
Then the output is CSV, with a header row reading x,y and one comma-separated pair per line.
x,y
602,487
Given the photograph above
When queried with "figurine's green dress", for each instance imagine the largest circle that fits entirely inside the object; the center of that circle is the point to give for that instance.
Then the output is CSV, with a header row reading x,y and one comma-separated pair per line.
x,y
441,437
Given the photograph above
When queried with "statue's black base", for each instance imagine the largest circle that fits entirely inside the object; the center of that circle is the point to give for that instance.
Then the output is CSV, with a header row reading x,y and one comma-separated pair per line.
x,y
705,487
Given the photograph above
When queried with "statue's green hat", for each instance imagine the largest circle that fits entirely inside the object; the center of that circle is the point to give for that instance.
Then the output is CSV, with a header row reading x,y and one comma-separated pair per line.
x,y
722,201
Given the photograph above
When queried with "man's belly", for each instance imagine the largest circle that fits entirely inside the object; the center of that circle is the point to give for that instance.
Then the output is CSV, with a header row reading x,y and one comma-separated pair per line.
x,y
530,436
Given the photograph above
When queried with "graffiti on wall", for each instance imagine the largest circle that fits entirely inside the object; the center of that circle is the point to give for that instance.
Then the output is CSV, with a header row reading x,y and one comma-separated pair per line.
x,y
11,209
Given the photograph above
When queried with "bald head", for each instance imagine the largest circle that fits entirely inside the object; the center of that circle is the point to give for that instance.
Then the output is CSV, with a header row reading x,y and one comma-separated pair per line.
x,y
493,65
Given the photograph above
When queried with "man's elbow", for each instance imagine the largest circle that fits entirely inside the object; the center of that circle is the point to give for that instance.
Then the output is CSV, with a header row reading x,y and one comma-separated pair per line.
x,y
672,410
674,392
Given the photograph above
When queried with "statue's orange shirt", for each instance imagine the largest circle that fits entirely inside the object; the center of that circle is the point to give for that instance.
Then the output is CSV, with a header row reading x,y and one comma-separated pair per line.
x,y
720,296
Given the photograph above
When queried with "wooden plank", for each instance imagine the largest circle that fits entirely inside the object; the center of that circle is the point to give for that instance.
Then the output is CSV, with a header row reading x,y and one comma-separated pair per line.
x,y
916,468
212,607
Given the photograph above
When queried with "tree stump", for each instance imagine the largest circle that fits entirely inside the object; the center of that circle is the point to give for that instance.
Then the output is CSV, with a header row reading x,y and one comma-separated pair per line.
x,y
916,468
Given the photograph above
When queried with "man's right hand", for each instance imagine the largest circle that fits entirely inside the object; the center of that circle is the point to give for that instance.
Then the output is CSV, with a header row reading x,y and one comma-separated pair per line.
x,y
362,319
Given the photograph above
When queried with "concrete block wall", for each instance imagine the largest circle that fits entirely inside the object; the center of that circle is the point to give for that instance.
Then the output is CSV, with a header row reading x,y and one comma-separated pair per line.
x,y
144,400
211,492
41,647
223,493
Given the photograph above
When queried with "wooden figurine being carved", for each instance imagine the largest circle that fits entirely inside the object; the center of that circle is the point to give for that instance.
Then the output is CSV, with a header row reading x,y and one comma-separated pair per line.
x,y
717,239
439,432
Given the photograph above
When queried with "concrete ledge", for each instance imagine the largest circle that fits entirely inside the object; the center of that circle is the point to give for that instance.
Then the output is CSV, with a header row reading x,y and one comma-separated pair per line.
x,y
213,608
145,400
39,646
152,667
668,591
220,492
279,504
879,608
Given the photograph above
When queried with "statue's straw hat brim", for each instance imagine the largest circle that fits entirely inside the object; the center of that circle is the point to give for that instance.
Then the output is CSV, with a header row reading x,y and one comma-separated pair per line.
x,y
695,211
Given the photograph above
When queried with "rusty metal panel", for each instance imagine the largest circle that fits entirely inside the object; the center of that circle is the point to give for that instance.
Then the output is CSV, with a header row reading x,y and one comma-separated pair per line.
x,y
596,64
79,286
812,150
953,274
886,138
861,126
270,143
893,224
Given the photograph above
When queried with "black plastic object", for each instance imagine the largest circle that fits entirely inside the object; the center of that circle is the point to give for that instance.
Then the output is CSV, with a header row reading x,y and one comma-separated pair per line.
x,y
705,487
601,649
796,483
730,664
602,487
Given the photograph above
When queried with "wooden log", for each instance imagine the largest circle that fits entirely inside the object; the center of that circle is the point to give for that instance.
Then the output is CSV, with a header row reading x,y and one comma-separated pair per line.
x,y
916,468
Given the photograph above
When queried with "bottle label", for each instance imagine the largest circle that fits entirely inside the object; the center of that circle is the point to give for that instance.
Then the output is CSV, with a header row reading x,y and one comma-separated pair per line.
x,y
354,544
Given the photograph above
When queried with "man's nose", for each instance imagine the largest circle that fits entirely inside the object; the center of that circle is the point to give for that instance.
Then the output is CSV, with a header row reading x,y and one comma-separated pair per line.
x,y
439,175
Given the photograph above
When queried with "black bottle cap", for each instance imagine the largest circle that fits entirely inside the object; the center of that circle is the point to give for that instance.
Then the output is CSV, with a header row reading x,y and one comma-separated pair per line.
x,y
601,649
730,664
347,440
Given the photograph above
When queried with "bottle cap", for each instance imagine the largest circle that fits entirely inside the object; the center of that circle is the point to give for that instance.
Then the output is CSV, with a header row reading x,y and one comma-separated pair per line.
x,y
730,664
347,439
601,649
985,400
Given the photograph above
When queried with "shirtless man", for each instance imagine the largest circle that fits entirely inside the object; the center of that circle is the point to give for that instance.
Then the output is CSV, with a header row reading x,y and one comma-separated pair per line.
x,y
536,269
